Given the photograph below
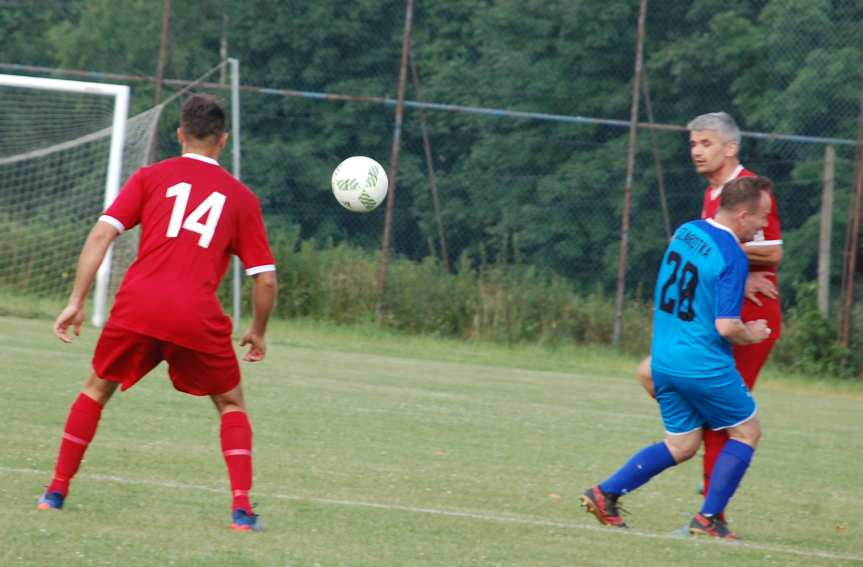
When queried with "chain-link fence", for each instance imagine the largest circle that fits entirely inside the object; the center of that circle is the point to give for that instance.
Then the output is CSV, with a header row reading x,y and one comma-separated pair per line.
x,y
524,107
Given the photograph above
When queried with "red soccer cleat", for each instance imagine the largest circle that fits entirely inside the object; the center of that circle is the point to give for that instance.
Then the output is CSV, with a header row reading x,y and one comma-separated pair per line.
x,y
604,506
711,526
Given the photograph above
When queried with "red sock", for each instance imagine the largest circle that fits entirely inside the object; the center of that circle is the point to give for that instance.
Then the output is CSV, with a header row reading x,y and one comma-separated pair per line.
x,y
714,441
237,449
79,431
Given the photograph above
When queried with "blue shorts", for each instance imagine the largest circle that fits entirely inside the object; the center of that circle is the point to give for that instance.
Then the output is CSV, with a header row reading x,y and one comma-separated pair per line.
x,y
717,402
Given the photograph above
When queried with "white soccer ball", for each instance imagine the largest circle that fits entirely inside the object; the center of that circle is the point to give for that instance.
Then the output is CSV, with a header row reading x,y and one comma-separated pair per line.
x,y
360,184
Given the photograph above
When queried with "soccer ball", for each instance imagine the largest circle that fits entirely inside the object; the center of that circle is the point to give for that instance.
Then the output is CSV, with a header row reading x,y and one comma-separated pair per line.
x,y
359,184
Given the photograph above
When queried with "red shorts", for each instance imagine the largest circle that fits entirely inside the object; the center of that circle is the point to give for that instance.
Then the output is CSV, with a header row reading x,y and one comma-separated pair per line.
x,y
749,359
126,356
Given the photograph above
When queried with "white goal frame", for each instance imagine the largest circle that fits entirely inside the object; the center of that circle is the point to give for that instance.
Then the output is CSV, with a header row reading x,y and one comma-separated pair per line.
x,y
120,94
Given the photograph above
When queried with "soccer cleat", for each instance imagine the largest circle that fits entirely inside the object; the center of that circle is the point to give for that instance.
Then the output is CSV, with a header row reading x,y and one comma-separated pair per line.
x,y
711,526
51,501
604,506
243,521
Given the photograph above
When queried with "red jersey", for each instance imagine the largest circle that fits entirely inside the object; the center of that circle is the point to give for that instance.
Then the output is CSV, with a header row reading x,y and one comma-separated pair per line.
x,y
193,215
771,235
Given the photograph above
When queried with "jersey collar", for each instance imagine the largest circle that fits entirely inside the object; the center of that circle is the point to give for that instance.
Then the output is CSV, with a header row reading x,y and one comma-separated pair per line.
x,y
716,191
199,157
721,226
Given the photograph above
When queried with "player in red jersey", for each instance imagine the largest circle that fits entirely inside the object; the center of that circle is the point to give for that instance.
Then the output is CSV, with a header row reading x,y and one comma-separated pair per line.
x,y
714,141
193,216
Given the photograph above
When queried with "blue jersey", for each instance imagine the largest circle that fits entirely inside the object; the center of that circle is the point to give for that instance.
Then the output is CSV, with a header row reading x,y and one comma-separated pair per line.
x,y
701,279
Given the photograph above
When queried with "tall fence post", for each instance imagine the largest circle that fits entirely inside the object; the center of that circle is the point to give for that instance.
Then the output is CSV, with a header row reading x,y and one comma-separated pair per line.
x,y
627,190
853,239
237,283
394,161
825,235
657,159
444,253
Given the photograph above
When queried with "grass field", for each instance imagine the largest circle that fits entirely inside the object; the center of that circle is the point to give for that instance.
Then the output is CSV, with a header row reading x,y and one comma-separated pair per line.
x,y
373,449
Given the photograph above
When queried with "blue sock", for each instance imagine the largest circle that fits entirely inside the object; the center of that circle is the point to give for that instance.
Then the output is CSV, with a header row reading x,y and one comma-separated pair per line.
x,y
727,474
643,466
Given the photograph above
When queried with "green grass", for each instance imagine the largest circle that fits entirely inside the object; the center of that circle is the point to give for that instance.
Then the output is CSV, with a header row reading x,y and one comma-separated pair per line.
x,y
372,448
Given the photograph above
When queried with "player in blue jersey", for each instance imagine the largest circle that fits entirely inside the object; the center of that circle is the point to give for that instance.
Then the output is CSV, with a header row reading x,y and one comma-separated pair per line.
x,y
698,299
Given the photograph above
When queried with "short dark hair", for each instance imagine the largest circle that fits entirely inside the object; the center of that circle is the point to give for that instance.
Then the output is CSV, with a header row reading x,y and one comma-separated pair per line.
x,y
202,116
744,192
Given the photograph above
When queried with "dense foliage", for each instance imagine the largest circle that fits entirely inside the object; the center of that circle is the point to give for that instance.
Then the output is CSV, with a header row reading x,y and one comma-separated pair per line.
x,y
542,195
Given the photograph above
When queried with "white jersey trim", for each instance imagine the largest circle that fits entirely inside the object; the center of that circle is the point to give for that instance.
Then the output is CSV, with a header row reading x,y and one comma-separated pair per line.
x,y
199,157
667,432
741,422
722,227
113,222
764,243
260,269
717,191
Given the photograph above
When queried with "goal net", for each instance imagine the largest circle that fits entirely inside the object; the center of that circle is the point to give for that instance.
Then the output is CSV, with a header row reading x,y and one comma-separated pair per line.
x,y
65,149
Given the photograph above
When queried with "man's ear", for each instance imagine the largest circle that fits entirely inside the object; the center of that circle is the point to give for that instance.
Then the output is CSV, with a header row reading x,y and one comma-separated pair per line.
x,y
731,149
181,137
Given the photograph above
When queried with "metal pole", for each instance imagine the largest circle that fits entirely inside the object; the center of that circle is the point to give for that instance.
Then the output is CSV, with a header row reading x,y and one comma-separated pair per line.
x,y
223,46
854,240
163,48
825,232
235,164
394,160
627,190
657,160
430,164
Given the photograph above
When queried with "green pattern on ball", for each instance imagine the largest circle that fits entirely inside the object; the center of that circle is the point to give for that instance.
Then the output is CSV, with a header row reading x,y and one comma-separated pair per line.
x,y
347,184
372,178
366,201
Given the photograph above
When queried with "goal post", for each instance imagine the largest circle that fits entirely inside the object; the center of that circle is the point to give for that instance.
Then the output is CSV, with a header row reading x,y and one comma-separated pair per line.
x,y
54,135
66,147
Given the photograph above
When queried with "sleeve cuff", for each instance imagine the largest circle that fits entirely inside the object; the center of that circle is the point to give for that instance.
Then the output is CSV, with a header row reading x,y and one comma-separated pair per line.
x,y
764,243
113,222
259,269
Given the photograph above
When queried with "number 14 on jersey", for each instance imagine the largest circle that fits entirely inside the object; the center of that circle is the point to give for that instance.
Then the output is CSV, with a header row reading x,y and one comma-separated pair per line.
x,y
213,205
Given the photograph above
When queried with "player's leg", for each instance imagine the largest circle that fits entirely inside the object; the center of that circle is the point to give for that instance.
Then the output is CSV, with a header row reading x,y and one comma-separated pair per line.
x,y
749,360
80,428
682,439
727,405
730,468
714,441
236,439
120,357
644,377
218,376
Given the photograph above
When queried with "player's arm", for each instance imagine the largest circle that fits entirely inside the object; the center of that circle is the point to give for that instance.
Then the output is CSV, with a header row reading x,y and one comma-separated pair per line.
x,y
740,333
100,238
770,255
264,289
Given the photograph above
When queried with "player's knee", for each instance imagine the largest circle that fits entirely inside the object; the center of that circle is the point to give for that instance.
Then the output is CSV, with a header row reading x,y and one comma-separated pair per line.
x,y
229,401
98,389
683,447
645,378
748,433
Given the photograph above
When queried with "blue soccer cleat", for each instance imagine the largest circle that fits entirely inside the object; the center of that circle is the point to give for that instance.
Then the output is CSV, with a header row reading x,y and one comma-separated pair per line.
x,y
243,521
51,501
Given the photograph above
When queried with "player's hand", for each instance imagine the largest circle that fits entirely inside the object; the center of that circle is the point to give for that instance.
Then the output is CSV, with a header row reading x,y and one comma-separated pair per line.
x,y
70,316
758,329
257,347
760,283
